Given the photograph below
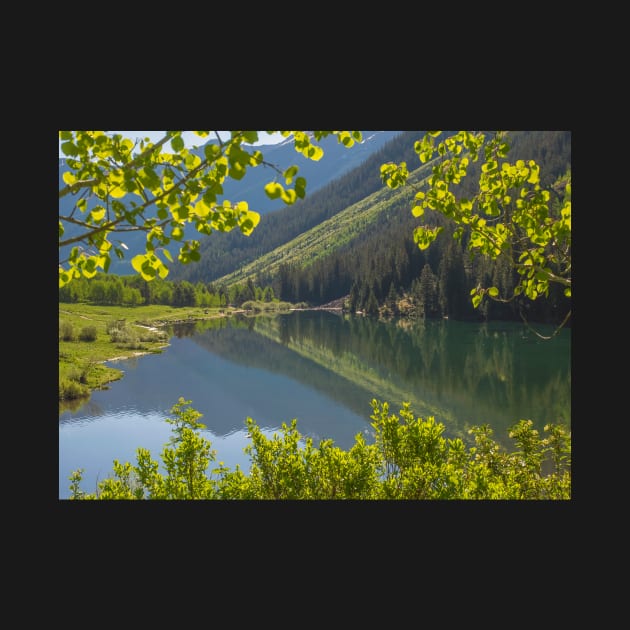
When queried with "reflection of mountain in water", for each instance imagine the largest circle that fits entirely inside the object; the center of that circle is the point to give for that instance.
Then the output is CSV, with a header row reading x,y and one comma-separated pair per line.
x,y
240,342
463,374
324,369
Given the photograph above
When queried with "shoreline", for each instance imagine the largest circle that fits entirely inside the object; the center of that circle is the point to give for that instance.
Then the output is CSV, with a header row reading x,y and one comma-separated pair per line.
x,y
114,373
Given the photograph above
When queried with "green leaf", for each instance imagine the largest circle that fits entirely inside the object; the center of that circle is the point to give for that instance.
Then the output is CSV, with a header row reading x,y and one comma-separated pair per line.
x,y
212,152
290,173
314,153
98,214
289,196
300,187
273,190
250,137
424,236
177,143
534,176
493,292
417,211
69,178
69,148
64,277
237,171
148,273
249,222
192,161
347,140
202,209
138,261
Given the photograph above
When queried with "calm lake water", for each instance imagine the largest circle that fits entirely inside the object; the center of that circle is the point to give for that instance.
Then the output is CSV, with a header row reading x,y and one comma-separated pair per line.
x,y
323,369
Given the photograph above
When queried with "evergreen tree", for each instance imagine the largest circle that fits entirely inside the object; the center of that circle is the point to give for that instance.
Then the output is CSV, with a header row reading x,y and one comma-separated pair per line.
x,y
452,286
427,293
268,295
391,301
353,301
371,307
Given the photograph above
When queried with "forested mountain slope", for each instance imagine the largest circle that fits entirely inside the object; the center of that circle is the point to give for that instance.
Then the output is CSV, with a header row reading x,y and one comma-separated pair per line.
x,y
321,241
376,261
223,253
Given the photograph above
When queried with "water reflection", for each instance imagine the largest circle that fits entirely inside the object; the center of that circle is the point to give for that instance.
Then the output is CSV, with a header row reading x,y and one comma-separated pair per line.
x,y
323,369
462,373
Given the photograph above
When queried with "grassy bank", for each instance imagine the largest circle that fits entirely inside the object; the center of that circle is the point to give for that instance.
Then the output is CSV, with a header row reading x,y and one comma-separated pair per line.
x,y
89,335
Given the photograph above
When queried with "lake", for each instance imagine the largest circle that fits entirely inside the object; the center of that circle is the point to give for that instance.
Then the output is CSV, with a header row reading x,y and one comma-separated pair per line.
x,y
323,369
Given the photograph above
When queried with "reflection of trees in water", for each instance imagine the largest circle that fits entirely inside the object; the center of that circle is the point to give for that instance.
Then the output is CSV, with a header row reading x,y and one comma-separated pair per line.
x,y
482,370
89,410
188,329
72,405
460,372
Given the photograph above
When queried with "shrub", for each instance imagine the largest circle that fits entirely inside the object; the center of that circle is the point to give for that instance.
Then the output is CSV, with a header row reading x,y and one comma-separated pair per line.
x,y
410,459
70,389
66,331
125,335
116,324
252,305
148,335
88,333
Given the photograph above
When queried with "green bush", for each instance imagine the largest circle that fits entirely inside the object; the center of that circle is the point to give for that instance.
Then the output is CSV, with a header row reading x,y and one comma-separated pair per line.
x,y
252,305
124,335
133,336
409,459
66,331
70,389
147,335
116,324
88,333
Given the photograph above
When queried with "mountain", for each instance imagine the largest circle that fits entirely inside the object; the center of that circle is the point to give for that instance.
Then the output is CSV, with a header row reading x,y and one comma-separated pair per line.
x,y
368,248
333,234
336,161
369,244
224,253
354,237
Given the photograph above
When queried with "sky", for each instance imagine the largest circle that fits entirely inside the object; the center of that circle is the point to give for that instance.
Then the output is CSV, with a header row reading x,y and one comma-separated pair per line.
x,y
190,138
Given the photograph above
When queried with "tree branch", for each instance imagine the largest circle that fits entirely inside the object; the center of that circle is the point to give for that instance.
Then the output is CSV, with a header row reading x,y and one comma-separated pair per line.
x,y
86,183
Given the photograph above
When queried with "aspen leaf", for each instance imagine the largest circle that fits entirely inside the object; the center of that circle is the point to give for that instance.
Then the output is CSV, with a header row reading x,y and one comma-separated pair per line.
x,y
273,190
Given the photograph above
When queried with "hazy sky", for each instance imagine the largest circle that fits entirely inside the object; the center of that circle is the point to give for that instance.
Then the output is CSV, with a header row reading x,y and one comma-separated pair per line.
x,y
190,138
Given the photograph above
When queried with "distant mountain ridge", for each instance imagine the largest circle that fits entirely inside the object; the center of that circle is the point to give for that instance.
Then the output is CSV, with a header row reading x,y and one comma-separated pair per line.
x,y
224,253
337,160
